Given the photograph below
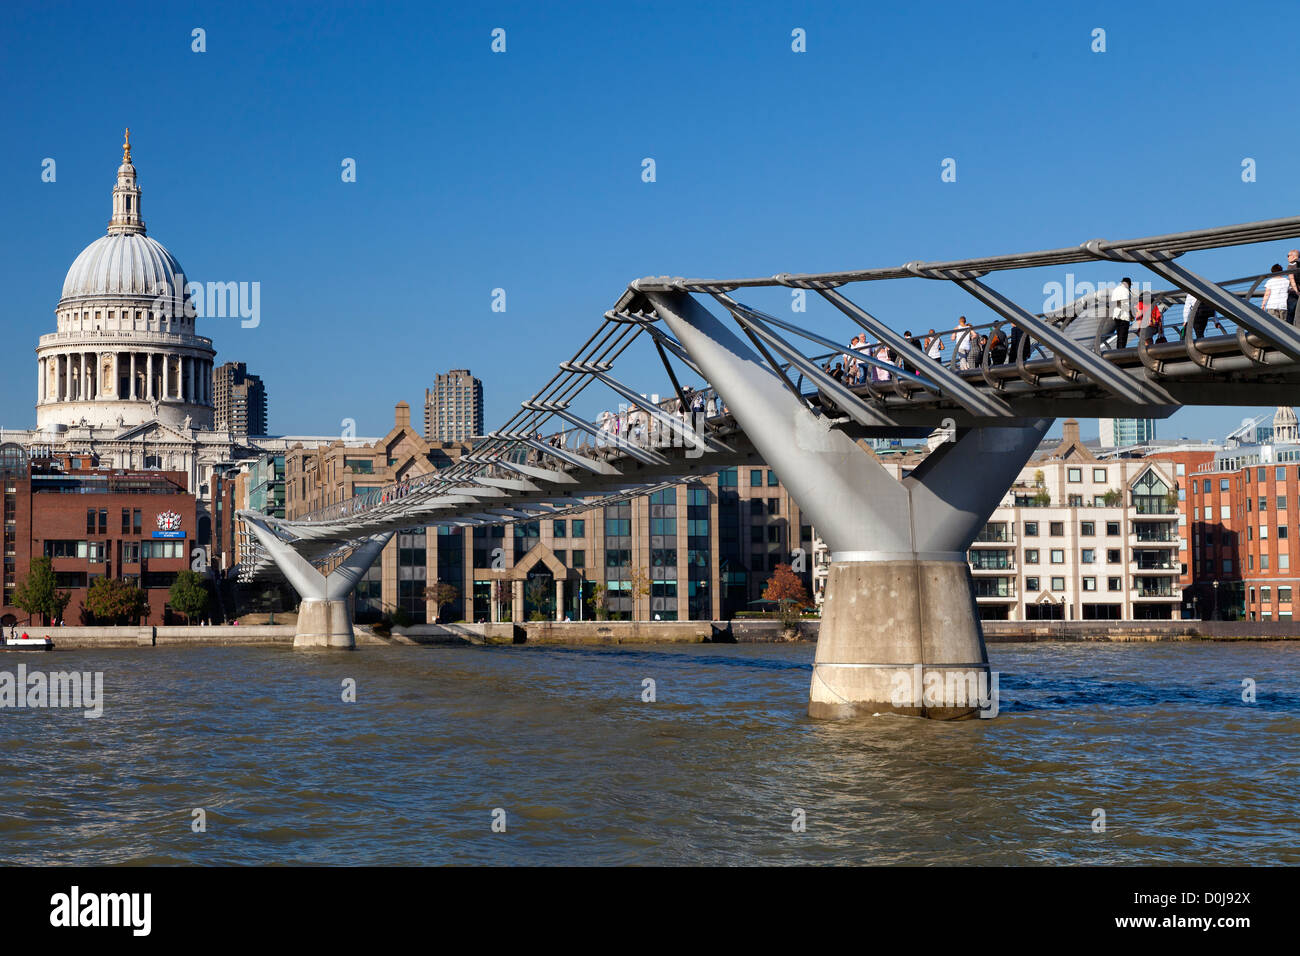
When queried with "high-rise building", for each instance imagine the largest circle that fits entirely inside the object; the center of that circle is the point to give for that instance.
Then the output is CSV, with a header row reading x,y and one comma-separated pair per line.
x,y
1123,432
453,408
240,399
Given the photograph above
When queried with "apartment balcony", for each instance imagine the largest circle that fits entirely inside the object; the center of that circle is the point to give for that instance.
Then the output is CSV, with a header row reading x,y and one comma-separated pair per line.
x,y
995,589
1154,591
994,534
1150,531
995,561
1151,507
1167,567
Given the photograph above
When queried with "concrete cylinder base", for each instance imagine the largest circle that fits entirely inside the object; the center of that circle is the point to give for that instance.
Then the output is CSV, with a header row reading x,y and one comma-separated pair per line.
x,y
900,637
324,624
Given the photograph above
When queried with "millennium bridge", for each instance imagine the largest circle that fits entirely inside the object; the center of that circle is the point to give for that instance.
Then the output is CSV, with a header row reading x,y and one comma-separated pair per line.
x,y
899,597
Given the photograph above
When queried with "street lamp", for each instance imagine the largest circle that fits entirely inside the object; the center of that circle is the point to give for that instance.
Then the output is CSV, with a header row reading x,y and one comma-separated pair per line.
x,y
1215,615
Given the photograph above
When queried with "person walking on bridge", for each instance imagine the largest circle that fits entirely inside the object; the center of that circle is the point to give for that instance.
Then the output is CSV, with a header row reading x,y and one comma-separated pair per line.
x,y
1121,311
879,374
963,338
997,346
933,346
1148,319
1276,290
1293,290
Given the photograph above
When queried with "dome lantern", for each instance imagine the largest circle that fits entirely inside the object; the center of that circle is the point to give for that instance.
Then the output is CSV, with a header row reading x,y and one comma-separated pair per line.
x,y
126,196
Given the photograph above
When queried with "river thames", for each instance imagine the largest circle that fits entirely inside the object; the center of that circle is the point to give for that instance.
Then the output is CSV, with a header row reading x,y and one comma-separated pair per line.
x,y
714,771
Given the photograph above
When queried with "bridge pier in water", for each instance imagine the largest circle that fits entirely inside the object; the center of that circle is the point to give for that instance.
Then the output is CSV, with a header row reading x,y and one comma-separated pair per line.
x,y
324,617
900,613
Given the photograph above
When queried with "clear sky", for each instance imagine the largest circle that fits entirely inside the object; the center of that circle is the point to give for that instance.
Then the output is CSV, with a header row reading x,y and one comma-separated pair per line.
x,y
522,170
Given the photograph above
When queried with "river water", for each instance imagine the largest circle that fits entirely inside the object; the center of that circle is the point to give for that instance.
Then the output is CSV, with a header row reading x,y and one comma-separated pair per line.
x,y
712,772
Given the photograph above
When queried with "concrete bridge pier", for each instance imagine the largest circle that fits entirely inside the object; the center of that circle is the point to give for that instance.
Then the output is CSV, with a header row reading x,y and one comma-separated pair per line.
x,y
324,624
324,617
900,631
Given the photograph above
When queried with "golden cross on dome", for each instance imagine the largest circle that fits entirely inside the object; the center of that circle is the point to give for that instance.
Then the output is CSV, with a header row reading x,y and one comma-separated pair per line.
x,y
126,146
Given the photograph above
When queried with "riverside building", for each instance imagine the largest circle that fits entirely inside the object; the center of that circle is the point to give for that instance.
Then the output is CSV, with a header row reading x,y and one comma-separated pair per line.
x,y
1244,514
1082,538
93,523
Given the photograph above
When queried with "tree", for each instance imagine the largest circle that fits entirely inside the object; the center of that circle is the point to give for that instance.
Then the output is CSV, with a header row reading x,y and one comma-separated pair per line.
x,y
538,595
188,594
441,593
36,594
111,599
785,588
638,586
596,601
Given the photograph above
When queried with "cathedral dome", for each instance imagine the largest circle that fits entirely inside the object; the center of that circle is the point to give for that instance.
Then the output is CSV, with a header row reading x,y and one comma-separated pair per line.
x,y
1284,425
124,264
125,352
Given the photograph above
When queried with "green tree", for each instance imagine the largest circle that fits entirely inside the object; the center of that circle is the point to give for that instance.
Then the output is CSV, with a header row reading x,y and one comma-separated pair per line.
x,y
36,594
188,594
441,594
120,602
538,594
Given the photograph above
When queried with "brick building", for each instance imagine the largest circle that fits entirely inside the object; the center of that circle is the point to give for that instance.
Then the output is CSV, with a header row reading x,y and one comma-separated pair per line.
x,y
93,522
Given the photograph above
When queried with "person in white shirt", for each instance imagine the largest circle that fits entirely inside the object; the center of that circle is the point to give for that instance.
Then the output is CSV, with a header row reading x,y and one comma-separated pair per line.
x,y
1275,292
934,345
879,374
1121,311
964,337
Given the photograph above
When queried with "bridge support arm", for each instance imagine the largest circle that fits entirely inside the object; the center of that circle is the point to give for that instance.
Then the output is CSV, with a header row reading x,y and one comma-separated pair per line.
x,y
900,617
324,617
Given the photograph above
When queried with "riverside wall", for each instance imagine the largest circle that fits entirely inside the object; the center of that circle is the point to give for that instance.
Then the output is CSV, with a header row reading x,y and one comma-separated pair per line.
x,y
581,633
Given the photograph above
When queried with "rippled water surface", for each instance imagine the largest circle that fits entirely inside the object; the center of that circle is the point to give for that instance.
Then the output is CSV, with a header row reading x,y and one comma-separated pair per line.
x,y
1156,735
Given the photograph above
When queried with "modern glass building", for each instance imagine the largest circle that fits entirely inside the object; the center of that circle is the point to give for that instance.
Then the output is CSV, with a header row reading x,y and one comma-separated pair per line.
x,y
1123,432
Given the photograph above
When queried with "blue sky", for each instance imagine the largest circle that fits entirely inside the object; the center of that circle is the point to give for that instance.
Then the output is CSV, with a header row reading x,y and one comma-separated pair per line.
x,y
522,170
